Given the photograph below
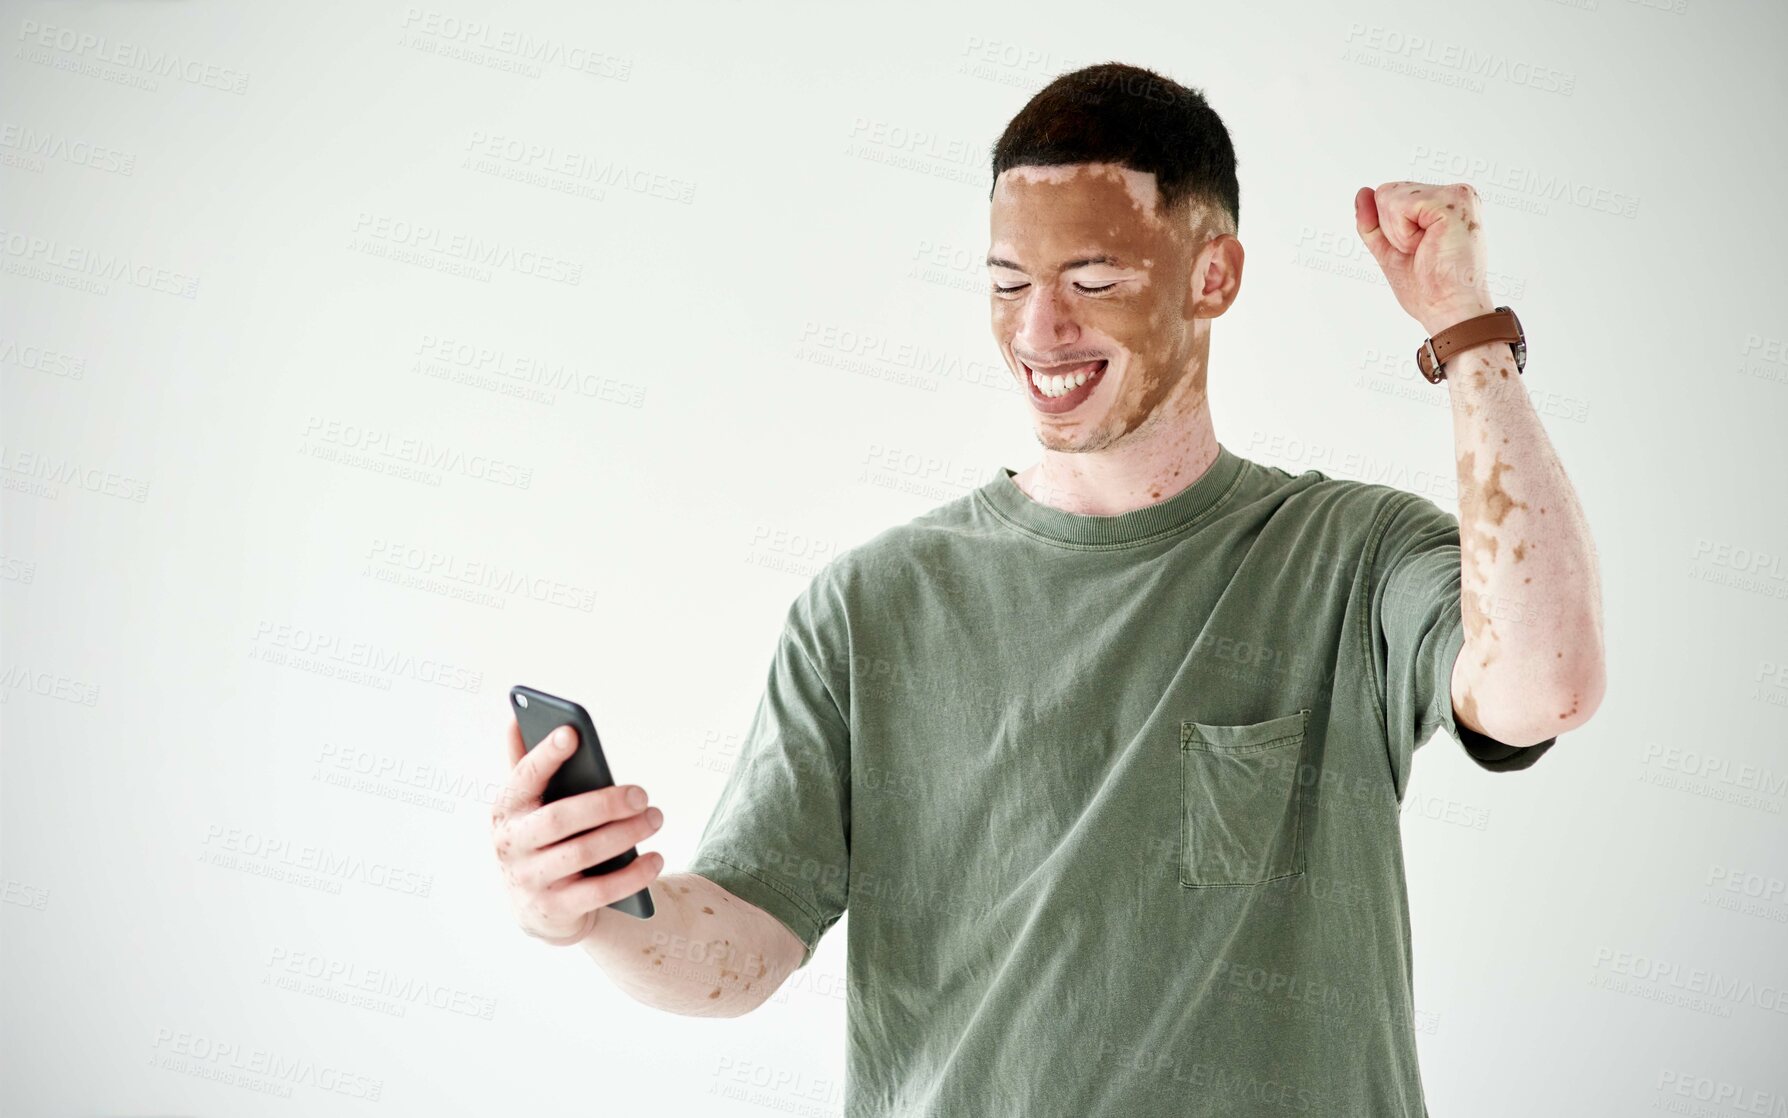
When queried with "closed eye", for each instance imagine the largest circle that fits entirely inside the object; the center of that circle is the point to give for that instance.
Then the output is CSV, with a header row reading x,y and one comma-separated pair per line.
x,y
1080,287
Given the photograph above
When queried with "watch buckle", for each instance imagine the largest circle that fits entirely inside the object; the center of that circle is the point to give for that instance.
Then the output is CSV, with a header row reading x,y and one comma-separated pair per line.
x,y
1435,376
1519,344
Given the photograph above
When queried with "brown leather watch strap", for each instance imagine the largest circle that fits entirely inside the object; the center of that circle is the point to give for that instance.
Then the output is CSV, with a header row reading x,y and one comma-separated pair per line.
x,y
1500,325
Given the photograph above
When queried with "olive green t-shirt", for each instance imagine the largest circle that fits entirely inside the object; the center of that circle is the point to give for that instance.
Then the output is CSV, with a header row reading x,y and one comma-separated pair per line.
x,y
1113,801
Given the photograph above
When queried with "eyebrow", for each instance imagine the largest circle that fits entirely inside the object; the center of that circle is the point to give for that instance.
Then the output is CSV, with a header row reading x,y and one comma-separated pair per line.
x,y
1000,262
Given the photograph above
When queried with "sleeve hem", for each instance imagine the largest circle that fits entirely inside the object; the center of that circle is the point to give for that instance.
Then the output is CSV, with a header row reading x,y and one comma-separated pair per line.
x,y
1500,757
754,888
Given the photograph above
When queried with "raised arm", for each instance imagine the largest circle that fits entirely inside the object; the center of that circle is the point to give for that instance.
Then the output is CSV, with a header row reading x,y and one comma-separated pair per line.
x,y
1532,665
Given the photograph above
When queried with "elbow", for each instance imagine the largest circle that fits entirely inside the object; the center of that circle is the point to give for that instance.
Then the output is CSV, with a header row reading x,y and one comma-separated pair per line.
x,y
733,1007
1529,709
1580,696
1569,701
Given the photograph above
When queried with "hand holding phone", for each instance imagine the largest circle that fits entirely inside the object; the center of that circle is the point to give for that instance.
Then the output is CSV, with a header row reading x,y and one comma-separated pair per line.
x,y
563,831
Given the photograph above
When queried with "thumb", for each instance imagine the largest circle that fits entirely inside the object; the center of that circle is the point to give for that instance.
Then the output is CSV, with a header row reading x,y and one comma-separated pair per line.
x,y
1365,220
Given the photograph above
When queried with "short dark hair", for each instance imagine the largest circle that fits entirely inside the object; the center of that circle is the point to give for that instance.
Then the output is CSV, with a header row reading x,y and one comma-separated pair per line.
x,y
1115,113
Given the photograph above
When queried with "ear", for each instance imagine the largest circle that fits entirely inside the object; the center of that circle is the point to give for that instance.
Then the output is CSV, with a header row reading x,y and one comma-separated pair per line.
x,y
1216,277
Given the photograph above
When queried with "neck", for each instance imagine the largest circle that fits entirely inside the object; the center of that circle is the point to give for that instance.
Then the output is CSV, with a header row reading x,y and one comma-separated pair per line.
x,y
1170,450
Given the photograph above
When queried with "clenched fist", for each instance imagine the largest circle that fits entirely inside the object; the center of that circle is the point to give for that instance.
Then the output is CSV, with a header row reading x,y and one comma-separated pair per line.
x,y
1429,242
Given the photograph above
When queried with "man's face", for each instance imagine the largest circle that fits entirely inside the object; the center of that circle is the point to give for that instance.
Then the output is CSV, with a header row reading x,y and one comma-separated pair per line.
x,y
1092,281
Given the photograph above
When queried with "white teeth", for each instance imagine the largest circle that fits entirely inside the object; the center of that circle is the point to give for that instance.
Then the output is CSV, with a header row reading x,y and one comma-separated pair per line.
x,y
1059,385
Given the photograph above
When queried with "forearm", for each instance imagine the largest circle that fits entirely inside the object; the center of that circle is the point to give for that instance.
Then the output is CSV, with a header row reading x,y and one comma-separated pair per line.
x,y
1531,599
701,954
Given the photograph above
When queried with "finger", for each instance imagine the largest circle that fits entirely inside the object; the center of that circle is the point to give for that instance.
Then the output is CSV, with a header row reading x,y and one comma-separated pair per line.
x,y
517,749
527,780
554,822
1459,202
574,855
584,894
1398,206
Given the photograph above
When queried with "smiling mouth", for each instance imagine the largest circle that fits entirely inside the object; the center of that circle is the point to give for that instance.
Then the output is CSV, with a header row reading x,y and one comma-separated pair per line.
x,y
1055,381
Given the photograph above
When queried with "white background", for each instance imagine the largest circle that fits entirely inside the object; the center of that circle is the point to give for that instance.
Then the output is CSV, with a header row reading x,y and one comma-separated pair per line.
x,y
251,681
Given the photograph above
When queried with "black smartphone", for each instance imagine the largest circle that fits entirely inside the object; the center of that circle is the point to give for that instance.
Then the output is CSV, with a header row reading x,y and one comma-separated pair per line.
x,y
539,714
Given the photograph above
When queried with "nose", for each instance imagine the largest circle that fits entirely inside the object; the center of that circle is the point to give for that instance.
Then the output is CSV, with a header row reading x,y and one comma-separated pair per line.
x,y
1045,322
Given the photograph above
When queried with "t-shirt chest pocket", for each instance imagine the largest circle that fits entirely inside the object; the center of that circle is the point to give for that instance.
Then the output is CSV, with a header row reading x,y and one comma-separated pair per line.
x,y
1240,798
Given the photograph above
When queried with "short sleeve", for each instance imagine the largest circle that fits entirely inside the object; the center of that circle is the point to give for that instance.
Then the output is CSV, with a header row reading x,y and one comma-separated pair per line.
x,y
779,835
1417,634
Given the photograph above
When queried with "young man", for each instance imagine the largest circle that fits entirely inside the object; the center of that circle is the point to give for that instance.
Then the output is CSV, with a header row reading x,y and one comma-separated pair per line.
x,y
1105,758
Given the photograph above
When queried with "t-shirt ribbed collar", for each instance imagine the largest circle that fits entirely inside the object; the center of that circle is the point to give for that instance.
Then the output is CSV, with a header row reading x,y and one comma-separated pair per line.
x,y
1015,506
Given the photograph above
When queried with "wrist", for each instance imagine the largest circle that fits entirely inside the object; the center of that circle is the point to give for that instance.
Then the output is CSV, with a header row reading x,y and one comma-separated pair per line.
x,y
1470,335
1451,316
584,928
1470,373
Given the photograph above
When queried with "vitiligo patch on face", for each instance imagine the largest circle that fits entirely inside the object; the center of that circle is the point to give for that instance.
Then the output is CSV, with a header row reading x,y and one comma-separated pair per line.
x,y
1145,196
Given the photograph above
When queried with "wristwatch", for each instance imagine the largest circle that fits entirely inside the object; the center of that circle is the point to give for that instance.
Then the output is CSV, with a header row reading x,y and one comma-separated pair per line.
x,y
1500,325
